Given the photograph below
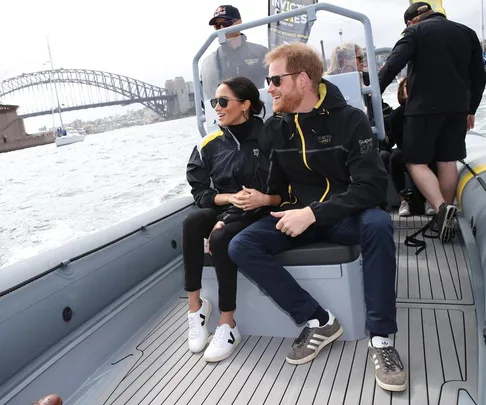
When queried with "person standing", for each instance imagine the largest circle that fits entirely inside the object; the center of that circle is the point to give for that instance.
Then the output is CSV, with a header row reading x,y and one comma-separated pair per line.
x,y
445,83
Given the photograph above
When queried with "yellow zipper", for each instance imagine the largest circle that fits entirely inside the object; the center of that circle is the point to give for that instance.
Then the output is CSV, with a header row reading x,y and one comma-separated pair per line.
x,y
304,157
290,197
327,190
299,129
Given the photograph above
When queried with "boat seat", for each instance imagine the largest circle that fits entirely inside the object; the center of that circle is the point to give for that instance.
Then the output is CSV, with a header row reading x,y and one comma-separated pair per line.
x,y
311,255
331,273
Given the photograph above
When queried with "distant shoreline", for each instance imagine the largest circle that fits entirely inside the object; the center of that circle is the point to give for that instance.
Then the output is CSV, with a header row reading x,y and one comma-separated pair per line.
x,y
28,141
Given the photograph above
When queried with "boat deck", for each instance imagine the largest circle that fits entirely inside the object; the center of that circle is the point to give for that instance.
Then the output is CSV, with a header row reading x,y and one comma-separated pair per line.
x,y
437,340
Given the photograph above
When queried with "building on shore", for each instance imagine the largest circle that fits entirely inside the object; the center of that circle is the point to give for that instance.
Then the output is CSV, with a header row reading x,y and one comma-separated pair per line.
x,y
12,131
182,105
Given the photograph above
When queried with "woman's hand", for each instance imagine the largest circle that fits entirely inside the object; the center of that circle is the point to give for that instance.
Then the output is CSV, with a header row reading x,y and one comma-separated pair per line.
x,y
252,199
237,199
219,225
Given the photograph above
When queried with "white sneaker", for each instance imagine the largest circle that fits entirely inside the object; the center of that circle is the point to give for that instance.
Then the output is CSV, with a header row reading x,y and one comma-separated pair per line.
x,y
429,211
224,342
198,330
404,210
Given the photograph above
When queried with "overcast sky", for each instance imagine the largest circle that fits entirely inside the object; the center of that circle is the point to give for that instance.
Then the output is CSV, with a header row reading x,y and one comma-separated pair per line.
x,y
155,40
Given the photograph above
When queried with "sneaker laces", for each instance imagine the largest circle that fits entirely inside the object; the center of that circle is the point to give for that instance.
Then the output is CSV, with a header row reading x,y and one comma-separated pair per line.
x,y
193,326
218,336
391,358
301,340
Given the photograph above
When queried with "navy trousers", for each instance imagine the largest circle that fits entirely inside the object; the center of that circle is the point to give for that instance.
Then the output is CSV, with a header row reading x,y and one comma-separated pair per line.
x,y
252,250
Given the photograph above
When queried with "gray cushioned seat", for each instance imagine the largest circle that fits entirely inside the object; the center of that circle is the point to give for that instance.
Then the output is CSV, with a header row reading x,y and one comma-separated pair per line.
x,y
316,254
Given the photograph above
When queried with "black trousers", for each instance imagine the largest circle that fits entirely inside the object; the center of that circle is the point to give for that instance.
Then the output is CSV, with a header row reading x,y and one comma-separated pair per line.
x,y
398,169
197,226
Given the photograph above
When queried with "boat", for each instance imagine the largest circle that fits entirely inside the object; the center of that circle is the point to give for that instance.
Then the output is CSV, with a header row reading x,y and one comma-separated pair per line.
x,y
103,319
64,137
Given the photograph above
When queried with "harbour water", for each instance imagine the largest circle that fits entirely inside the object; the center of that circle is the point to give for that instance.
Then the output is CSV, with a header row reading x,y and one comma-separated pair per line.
x,y
51,195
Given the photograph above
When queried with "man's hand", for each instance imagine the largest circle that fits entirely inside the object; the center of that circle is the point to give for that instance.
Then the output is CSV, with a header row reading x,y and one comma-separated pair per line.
x,y
252,199
219,225
294,222
470,121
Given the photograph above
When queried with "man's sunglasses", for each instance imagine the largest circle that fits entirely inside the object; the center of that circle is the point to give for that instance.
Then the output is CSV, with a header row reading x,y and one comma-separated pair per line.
x,y
223,102
360,58
224,24
276,80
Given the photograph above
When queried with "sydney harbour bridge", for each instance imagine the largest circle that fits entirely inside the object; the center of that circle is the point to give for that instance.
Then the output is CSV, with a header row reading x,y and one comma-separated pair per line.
x,y
76,89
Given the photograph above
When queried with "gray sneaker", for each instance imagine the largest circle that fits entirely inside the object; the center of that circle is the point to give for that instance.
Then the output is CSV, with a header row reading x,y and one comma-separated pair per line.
x,y
389,371
312,339
445,220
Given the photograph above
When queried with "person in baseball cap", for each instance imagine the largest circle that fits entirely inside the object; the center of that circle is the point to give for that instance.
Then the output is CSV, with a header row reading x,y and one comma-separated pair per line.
x,y
445,84
235,57
225,16
416,10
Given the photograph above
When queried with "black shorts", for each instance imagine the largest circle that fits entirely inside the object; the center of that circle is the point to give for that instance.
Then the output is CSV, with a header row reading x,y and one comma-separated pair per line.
x,y
434,138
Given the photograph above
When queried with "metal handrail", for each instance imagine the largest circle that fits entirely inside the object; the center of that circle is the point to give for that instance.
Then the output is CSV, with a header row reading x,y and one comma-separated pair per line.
x,y
378,129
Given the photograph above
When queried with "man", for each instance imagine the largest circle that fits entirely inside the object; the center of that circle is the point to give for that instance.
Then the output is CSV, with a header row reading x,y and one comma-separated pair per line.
x,y
325,150
236,57
445,83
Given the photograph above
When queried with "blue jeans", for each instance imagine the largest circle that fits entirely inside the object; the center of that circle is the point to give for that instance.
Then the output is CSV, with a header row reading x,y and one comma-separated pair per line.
x,y
252,250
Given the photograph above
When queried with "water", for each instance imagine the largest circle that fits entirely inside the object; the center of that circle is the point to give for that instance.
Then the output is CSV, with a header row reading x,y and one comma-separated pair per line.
x,y
51,195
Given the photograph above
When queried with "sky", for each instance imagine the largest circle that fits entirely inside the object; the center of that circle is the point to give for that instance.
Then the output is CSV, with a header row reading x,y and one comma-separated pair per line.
x,y
154,41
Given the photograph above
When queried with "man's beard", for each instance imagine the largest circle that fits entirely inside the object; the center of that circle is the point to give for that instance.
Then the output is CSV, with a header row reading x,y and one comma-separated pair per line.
x,y
290,102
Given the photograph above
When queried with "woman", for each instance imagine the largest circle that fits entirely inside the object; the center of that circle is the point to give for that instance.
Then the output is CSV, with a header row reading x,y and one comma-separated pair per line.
x,y
222,172
347,58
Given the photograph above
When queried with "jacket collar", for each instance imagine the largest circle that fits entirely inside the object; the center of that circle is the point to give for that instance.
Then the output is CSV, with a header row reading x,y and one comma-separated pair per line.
x,y
255,126
330,98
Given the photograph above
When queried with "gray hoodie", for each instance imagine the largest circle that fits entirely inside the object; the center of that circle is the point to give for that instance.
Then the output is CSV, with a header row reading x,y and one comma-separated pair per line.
x,y
247,60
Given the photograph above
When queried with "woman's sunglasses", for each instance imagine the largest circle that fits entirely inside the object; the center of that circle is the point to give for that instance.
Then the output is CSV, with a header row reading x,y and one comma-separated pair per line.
x,y
276,80
224,24
223,102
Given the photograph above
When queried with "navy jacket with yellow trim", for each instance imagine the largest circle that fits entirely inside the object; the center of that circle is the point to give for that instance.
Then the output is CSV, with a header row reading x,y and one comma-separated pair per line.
x,y
224,162
328,156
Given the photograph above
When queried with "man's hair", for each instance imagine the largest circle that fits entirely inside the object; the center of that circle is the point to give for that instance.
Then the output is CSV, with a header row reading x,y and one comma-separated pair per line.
x,y
299,58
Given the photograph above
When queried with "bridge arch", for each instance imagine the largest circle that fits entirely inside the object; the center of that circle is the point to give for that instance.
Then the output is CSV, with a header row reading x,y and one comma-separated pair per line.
x,y
133,90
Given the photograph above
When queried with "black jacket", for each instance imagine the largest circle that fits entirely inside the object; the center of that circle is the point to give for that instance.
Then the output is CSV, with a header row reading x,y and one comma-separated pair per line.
x,y
224,162
328,156
445,67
